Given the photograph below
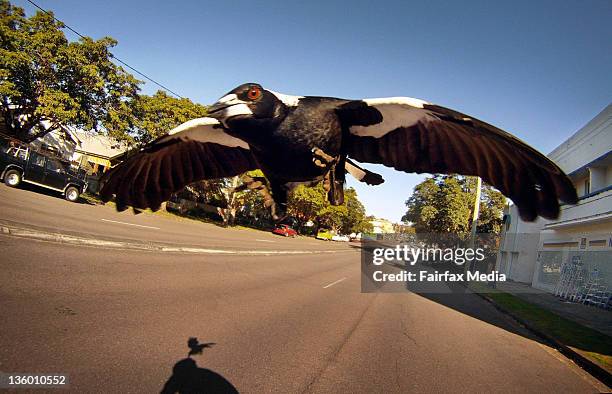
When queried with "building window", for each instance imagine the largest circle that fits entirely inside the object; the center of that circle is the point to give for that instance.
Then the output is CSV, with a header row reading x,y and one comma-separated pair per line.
x,y
587,186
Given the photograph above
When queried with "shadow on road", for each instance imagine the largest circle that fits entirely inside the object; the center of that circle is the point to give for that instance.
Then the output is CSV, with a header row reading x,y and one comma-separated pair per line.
x,y
188,378
455,295
472,305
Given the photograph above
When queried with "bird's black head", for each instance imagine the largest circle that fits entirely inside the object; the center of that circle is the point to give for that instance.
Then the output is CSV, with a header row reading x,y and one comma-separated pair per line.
x,y
250,110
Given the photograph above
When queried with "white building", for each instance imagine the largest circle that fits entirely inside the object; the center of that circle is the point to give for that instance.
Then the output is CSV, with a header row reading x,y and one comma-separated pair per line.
x,y
536,252
93,152
62,141
381,226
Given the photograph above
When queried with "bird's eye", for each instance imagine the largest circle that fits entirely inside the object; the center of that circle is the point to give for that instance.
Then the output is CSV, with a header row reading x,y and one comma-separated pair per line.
x,y
254,93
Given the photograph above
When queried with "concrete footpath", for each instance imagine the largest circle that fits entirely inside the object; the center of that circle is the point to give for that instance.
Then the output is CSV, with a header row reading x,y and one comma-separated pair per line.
x,y
595,318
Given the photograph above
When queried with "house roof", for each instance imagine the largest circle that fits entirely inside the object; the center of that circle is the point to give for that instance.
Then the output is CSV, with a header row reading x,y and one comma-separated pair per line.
x,y
46,124
99,145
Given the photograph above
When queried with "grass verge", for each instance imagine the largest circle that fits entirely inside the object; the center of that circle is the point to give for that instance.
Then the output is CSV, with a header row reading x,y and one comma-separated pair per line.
x,y
592,344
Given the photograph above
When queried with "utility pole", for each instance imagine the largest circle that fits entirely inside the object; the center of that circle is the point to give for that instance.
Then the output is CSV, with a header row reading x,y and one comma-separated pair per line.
x,y
475,214
476,210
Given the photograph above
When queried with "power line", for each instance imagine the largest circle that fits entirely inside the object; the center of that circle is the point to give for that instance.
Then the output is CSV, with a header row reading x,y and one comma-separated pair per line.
x,y
112,56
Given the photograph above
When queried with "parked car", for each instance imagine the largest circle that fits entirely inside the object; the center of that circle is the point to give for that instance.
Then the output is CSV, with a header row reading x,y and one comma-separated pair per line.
x,y
285,230
22,164
340,238
325,235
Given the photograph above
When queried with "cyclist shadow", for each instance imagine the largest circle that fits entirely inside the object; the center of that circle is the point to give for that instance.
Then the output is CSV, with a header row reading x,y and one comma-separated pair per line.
x,y
188,378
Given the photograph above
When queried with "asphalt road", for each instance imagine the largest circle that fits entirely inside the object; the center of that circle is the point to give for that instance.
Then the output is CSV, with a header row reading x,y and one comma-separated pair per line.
x,y
119,320
49,212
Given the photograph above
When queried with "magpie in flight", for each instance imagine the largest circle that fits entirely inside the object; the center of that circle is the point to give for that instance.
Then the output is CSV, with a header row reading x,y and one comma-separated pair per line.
x,y
305,140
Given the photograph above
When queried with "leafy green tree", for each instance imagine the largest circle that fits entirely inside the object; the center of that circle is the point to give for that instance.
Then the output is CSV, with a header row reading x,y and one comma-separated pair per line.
x,y
332,217
305,203
492,204
310,204
157,114
44,77
444,204
355,220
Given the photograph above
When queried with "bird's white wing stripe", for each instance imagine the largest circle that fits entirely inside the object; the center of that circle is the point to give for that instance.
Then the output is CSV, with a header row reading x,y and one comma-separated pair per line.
x,y
204,130
396,112
193,123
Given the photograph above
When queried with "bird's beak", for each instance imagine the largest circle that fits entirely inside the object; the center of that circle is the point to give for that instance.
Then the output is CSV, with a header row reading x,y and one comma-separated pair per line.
x,y
221,109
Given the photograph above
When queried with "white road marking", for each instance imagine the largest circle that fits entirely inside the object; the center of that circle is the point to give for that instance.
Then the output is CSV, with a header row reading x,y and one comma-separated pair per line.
x,y
264,240
334,283
129,224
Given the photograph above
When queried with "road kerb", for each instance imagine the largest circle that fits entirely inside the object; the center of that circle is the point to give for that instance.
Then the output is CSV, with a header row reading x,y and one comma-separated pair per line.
x,y
149,246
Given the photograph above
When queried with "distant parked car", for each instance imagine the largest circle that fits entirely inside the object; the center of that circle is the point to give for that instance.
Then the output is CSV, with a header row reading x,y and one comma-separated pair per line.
x,y
285,230
325,235
340,238
355,237
22,164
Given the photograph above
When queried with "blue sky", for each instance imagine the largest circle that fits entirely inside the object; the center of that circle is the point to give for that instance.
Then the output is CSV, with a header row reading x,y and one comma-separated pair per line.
x,y
538,69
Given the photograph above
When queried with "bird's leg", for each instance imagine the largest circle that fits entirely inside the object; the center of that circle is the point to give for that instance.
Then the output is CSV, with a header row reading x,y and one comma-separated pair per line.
x,y
278,208
333,183
327,182
322,159
335,193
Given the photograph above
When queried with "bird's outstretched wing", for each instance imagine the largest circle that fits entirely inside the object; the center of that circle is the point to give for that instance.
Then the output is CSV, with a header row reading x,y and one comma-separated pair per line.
x,y
414,136
196,150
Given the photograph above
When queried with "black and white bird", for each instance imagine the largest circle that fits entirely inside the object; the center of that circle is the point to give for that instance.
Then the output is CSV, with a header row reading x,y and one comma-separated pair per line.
x,y
305,140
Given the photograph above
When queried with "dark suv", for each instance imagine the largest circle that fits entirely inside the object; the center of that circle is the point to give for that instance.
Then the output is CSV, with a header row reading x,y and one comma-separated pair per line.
x,y
21,164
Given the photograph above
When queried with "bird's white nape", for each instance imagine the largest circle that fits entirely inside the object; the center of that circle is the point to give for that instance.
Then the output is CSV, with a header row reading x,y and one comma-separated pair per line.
x,y
287,99
414,102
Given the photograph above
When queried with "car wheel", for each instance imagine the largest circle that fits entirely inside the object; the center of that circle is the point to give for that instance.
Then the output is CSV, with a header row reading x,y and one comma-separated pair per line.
x,y
72,194
12,178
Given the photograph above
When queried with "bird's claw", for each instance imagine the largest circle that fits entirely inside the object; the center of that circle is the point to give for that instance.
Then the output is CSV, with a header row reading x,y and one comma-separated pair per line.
x,y
322,159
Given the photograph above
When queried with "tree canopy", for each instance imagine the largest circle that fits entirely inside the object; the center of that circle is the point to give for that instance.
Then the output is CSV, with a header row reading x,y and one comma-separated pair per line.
x,y
444,204
310,204
157,114
43,76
